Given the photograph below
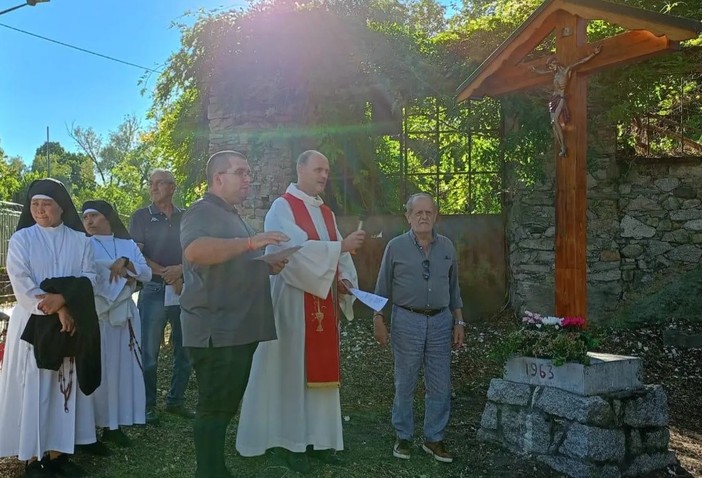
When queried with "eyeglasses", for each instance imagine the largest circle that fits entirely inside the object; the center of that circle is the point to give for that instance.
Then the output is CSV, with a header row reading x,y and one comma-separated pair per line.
x,y
239,172
425,267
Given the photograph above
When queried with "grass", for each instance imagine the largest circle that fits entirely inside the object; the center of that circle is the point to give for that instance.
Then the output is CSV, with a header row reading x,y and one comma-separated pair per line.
x,y
167,450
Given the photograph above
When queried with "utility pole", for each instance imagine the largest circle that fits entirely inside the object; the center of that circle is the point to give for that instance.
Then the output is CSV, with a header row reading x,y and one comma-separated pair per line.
x,y
48,158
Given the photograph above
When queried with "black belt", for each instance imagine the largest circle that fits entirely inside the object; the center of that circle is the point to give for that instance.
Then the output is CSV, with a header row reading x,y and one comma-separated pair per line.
x,y
427,312
156,278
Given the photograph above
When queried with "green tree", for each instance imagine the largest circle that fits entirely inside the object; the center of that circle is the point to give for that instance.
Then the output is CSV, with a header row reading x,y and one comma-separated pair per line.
x,y
120,163
74,170
11,171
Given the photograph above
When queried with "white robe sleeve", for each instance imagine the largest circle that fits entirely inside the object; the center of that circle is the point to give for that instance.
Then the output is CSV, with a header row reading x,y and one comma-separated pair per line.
x,y
87,266
143,271
313,267
18,268
347,270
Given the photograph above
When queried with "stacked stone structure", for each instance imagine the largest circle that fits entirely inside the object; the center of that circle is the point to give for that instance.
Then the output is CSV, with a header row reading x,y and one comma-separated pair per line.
x,y
605,432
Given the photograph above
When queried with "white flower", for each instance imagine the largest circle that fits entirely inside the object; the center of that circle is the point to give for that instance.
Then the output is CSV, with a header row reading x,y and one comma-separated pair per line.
x,y
550,320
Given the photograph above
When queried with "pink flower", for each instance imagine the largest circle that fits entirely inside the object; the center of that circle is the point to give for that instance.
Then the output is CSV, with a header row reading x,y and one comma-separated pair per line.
x,y
573,323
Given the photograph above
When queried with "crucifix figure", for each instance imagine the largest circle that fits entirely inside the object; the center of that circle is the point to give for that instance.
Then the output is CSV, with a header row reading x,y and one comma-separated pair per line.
x,y
508,70
557,105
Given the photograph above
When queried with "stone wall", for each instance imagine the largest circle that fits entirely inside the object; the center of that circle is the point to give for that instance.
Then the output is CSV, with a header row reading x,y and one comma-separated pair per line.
x,y
644,226
605,436
263,134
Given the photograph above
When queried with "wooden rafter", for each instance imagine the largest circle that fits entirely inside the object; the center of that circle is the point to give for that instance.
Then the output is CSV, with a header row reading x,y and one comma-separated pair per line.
x,y
507,70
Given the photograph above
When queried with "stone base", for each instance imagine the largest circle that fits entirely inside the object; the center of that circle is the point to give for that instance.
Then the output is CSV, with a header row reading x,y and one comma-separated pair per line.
x,y
614,435
606,373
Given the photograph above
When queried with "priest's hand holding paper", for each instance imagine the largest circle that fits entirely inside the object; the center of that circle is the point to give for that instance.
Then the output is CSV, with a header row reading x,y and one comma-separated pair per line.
x,y
343,286
50,303
353,241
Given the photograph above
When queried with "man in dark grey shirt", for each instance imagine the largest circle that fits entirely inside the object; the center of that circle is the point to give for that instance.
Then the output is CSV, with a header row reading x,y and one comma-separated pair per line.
x,y
156,230
226,307
419,273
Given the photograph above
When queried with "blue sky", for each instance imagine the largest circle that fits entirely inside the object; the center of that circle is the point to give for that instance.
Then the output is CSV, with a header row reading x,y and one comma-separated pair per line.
x,y
43,84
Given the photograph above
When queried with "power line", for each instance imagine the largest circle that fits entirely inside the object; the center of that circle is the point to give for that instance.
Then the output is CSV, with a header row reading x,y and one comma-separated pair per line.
x,y
81,49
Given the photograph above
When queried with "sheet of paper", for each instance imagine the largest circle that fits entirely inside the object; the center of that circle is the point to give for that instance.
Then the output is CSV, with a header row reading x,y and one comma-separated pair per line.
x,y
170,297
278,256
111,289
373,301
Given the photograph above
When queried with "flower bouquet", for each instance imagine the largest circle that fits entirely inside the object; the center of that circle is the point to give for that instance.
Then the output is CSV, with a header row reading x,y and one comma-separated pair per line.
x,y
560,339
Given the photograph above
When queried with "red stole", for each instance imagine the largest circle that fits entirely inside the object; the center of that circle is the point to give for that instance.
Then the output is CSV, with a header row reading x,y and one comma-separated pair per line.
x,y
321,324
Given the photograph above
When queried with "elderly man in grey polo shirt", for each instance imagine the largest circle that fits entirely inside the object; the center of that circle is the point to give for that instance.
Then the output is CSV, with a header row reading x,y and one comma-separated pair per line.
x,y
226,307
419,273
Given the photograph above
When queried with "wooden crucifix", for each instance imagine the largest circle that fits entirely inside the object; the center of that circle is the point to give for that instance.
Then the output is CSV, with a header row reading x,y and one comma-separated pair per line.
x,y
507,71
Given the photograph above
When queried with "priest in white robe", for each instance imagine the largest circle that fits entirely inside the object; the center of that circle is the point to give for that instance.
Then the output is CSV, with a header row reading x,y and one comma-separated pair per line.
x,y
43,413
284,406
121,398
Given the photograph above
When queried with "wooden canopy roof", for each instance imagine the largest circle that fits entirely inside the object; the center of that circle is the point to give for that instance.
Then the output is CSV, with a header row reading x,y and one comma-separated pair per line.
x,y
505,70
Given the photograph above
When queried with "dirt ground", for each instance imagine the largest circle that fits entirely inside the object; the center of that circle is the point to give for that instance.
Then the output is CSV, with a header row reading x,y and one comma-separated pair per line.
x,y
366,395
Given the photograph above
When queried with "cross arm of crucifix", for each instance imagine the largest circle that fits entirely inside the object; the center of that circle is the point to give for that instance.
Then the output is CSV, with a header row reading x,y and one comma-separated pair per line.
x,y
587,58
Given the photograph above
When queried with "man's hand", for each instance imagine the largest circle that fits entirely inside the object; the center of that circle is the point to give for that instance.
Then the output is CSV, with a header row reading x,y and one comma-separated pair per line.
x,y
380,331
259,241
458,336
178,286
118,269
68,325
171,274
50,303
343,286
353,241
276,267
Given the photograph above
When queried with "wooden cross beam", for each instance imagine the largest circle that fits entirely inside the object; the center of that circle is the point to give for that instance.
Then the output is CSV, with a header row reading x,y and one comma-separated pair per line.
x,y
506,71
571,170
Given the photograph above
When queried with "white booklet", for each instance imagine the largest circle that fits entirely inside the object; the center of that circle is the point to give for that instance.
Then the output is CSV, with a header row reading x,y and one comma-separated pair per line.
x,y
170,297
278,256
373,301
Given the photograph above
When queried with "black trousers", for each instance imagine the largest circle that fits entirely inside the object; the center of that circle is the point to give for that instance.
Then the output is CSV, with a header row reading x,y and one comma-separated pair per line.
x,y
222,374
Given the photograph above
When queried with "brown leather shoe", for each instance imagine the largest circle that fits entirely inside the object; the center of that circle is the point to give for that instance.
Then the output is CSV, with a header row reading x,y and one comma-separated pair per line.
x,y
437,450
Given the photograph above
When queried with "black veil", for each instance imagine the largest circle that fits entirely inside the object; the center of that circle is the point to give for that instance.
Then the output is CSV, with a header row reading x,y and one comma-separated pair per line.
x,y
57,191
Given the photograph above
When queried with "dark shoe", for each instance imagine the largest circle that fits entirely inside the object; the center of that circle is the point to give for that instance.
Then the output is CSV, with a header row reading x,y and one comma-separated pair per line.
x,y
151,417
96,449
299,462
330,457
62,466
117,437
402,449
180,411
437,450
38,469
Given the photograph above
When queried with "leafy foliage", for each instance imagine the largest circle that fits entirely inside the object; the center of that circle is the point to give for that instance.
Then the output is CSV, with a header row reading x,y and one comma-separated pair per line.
x,y
557,345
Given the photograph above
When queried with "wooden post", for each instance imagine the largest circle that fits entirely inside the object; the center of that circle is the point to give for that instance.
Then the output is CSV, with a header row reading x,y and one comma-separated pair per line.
x,y
571,179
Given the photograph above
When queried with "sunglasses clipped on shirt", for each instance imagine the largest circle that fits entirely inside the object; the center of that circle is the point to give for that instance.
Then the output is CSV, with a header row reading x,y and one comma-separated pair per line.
x,y
425,269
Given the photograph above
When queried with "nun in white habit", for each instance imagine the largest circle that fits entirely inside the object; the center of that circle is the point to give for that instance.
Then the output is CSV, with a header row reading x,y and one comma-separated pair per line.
x,y
120,400
43,413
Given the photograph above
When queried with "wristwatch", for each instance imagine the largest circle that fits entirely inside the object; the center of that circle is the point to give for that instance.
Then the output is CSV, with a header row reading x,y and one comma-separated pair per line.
x,y
459,322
